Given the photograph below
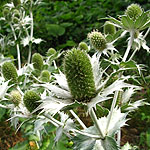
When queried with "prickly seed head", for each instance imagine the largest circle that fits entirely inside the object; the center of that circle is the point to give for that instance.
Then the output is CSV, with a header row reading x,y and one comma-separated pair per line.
x,y
109,28
9,72
79,74
134,11
83,46
51,51
37,61
97,40
15,97
31,99
45,76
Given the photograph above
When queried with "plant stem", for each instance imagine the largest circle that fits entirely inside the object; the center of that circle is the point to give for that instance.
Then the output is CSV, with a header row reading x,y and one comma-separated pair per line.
x,y
78,119
129,45
18,50
147,32
94,118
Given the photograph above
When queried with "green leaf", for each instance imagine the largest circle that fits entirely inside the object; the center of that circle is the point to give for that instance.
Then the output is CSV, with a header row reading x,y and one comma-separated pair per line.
x,y
141,20
55,30
2,112
109,143
127,22
115,21
21,146
146,25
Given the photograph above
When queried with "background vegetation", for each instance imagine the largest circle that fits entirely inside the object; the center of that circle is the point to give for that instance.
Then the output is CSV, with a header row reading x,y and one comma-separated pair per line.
x,y
63,24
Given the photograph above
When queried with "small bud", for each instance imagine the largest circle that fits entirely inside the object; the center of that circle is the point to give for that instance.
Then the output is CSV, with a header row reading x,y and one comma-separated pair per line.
x,y
37,61
83,46
15,97
79,74
7,14
9,72
31,99
134,11
45,76
15,20
109,28
51,51
97,40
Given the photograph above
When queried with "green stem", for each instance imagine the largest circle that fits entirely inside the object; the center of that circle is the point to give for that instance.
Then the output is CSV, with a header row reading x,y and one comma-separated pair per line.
x,y
94,118
18,50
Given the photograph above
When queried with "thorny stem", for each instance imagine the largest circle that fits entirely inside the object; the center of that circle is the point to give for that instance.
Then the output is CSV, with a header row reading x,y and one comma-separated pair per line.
x,y
78,119
94,118
18,50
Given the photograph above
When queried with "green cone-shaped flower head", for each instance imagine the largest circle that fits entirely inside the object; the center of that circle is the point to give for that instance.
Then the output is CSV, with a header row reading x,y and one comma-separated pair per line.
x,y
9,72
15,97
134,11
97,40
37,61
79,74
83,46
45,76
31,99
109,28
51,51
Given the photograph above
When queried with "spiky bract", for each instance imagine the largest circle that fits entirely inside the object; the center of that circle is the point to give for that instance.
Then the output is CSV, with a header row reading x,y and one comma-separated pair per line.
x,y
97,40
9,72
15,97
83,46
31,99
37,61
51,51
79,74
45,76
134,11
109,28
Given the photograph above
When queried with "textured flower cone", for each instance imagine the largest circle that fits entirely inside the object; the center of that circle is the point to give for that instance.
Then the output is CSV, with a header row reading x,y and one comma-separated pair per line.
x,y
31,99
79,74
51,51
83,46
37,61
15,97
9,72
45,76
134,11
97,40
109,28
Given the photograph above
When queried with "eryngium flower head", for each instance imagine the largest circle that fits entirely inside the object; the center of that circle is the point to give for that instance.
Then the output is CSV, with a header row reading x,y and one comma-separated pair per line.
x,y
134,11
83,46
45,76
51,51
109,28
79,74
97,40
9,72
15,97
31,99
37,61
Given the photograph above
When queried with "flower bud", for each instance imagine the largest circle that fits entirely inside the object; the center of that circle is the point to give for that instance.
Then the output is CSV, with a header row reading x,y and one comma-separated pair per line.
x,y
79,74
51,51
45,76
134,11
109,28
97,40
15,97
9,72
31,99
37,61
83,46
7,14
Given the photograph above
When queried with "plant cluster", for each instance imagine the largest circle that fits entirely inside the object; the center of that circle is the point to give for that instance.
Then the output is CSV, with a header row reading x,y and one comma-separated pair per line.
x,y
40,92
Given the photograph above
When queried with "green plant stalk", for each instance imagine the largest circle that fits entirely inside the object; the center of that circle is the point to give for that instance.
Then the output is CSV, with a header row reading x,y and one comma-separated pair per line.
x,y
95,121
78,119
18,49
117,92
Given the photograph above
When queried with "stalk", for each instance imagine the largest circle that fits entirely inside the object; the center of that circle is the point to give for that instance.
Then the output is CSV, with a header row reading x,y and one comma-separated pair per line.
x,y
18,50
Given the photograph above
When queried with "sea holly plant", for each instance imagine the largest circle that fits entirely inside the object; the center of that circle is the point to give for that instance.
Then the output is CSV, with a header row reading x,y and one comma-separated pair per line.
x,y
101,84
